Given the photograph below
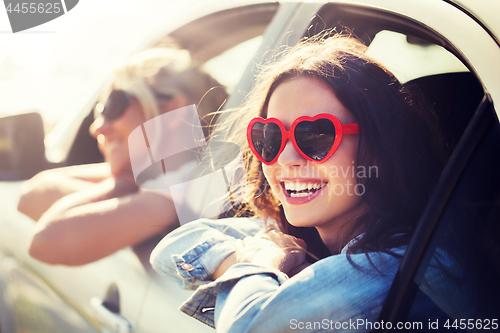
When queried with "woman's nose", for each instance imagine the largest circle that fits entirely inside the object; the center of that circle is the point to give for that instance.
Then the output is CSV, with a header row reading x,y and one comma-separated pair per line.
x,y
99,126
290,157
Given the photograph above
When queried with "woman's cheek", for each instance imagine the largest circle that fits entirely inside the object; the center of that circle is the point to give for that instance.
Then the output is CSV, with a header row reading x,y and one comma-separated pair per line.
x,y
270,174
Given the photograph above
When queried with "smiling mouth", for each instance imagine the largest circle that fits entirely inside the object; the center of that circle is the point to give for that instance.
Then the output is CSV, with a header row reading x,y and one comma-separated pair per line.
x,y
300,190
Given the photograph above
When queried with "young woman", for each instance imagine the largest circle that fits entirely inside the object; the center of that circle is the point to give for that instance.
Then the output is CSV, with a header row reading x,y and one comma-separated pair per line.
x,y
87,212
343,161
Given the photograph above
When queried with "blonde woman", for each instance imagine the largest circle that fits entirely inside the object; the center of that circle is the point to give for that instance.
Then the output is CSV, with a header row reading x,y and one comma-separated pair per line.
x,y
87,212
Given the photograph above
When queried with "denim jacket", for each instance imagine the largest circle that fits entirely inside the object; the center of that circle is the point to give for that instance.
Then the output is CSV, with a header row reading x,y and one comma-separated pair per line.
x,y
333,294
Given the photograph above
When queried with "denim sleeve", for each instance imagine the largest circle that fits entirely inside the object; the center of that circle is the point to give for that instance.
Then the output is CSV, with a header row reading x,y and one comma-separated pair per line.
x,y
192,252
328,295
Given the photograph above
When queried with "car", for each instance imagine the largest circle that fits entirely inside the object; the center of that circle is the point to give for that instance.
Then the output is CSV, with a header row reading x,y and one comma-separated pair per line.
x,y
448,50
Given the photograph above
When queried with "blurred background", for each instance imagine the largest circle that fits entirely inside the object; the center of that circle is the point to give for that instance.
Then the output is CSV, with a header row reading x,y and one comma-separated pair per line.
x,y
54,68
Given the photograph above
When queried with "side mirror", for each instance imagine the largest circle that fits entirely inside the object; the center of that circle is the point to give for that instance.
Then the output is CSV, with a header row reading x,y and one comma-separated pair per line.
x,y
22,148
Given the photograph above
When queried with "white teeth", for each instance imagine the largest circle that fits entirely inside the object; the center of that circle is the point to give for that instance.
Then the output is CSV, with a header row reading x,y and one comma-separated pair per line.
x,y
299,194
299,186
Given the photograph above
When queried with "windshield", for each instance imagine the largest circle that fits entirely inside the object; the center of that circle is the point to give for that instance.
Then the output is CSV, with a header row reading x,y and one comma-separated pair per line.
x,y
57,68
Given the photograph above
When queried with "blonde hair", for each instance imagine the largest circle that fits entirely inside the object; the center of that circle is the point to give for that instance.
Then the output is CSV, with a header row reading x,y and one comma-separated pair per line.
x,y
168,72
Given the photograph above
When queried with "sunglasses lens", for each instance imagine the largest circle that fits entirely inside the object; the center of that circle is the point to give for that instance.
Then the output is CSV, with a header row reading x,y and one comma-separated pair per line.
x,y
116,104
266,139
315,138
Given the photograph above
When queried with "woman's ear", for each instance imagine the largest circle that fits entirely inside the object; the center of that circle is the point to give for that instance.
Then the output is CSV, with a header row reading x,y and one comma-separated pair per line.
x,y
174,103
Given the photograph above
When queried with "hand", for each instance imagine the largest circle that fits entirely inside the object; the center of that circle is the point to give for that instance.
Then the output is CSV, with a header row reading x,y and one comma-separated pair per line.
x,y
273,249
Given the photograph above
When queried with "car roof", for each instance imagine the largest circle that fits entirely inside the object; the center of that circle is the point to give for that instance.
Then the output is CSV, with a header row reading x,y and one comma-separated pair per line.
x,y
485,11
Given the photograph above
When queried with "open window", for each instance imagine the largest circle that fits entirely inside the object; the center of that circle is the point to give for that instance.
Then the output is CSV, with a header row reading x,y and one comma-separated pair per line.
x,y
462,219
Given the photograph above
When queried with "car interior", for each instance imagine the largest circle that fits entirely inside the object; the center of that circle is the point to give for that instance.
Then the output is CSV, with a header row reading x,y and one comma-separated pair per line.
x,y
464,211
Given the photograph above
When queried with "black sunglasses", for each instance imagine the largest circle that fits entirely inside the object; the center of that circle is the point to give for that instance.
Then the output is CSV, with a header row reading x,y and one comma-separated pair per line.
x,y
119,100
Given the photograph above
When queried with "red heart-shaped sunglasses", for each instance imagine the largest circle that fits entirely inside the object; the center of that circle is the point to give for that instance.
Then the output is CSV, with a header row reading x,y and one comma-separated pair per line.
x,y
315,138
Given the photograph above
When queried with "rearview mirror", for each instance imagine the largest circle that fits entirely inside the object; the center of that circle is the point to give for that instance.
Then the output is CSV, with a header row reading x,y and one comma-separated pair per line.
x,y
22,150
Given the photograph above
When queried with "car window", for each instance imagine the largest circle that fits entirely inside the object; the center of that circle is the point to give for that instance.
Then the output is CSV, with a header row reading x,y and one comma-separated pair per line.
x,y
466,294
228,67
405,47
410,58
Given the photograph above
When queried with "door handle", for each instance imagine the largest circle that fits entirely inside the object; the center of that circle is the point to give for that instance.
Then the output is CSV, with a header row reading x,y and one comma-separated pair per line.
x,y
107,312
